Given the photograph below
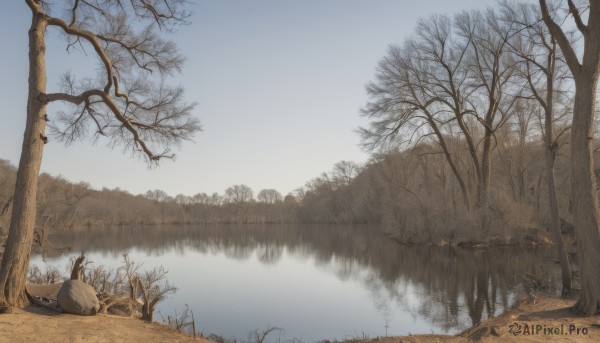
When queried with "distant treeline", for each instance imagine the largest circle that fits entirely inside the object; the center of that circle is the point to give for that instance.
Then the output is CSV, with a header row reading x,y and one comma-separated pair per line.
x,y
469,130
411,193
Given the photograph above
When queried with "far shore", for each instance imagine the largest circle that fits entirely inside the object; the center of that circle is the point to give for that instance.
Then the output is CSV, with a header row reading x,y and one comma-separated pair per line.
x,y
529,240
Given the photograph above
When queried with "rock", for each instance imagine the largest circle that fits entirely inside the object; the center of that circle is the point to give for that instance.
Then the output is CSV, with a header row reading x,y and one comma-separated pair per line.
x,y
77,297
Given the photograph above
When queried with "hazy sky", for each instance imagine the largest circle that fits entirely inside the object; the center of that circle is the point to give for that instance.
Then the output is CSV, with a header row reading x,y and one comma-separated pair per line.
x,y
278,83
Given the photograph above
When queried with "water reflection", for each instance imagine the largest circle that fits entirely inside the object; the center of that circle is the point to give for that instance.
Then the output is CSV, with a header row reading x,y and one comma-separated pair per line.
x,y
451,288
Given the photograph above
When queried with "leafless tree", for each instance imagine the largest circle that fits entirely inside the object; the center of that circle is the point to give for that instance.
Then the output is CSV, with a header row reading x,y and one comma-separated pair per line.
x,y
130,269
35,275
409,97
182,199
183,322
543,69
157,195
269,196
239,199
128,102
585,70
345,171
99,277
117,281
51,275
491,92
238,194
454,71
78,268
259,336
152,292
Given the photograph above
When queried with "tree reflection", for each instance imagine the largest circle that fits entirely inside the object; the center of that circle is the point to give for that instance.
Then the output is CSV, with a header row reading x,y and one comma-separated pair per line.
x,y
452,288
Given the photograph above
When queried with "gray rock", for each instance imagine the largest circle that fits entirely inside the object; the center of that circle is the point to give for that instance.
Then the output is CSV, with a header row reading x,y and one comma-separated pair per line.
x,y
77,297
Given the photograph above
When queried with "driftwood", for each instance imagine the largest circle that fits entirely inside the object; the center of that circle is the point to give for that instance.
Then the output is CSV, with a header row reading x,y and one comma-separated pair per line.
x,y
42,302
78,271
120,305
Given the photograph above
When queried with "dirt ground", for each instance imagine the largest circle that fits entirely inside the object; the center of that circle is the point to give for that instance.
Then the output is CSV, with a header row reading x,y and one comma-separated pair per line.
x,y
551,314
543,320
36,324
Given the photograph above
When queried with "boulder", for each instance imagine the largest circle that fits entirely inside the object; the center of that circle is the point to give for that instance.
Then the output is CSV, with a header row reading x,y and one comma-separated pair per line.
x,y
77,297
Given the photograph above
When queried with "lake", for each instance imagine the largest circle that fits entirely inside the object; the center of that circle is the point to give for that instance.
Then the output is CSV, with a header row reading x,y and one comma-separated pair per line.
x,y
315,282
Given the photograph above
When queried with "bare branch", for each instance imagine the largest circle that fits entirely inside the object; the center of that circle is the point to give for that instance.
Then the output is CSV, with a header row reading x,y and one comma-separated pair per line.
x,y
562,40
575,12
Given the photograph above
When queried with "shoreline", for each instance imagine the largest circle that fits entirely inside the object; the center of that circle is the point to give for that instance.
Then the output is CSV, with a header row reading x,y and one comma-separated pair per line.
x,y
542,319
545,319
495,241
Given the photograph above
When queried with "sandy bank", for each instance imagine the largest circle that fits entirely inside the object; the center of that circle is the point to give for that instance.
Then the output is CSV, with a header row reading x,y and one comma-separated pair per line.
x,y
35,324
545,320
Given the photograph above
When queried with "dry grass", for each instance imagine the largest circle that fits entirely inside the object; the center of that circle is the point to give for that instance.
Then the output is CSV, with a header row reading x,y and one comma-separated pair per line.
x,y
34,324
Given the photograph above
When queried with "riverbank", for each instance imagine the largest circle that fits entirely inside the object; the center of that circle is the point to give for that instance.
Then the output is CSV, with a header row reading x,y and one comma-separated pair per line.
x,y
540,320
536,238
38,325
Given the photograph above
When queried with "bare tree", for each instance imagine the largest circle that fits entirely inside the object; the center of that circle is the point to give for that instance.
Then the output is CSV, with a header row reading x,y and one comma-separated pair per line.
x,y
452,71
51,275
157,195
406,100
491,94
345,171
99,278
181,322
128,102
182,199
152,292
269,196
130,269
259,336
78,269
543,71
238,194
584,196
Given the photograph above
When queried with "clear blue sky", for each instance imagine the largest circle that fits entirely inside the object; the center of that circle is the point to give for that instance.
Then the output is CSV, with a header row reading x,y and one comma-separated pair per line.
x,y
278,83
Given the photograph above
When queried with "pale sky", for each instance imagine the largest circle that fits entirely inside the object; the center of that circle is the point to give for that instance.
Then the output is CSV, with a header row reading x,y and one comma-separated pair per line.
x,y
278,83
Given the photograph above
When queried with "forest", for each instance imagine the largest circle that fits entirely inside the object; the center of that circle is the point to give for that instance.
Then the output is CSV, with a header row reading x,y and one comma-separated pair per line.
x,y
410,192
469,134
480,129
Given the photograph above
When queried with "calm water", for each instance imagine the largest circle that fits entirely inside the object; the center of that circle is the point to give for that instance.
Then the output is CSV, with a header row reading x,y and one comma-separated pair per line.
x,y
314,282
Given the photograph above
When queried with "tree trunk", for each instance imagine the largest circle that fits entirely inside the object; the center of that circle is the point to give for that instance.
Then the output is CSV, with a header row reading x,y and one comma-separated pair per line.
x,y
15,261
555,219
586,218
483,188
76,272
551,147
148,311
453,167
473,152
584,197
133,289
